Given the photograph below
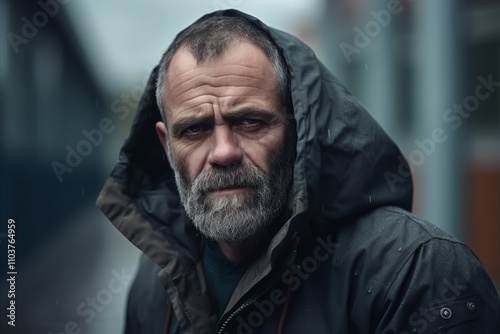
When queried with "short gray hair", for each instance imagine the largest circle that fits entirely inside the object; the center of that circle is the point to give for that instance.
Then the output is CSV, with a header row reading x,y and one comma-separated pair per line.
x,y
207,39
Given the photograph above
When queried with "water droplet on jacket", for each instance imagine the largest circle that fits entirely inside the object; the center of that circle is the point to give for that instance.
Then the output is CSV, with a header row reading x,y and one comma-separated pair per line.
x,y
338,259
414,330
399,249
355,274
370,198
370,288
328,133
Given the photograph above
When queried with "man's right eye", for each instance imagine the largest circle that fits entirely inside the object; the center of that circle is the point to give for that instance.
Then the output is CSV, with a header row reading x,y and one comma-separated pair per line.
x,y
195,130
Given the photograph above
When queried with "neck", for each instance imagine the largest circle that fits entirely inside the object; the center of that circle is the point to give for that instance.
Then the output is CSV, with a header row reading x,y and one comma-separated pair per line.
x,y
238,252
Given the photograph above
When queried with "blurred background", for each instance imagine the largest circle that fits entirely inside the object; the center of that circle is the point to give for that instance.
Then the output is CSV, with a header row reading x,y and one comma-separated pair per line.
x,y
427,70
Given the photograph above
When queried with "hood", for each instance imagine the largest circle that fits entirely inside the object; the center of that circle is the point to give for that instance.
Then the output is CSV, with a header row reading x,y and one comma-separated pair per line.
x,y
343,164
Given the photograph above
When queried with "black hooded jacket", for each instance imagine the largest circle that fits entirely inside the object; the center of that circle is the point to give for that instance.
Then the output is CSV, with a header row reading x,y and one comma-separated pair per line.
x,y
350,259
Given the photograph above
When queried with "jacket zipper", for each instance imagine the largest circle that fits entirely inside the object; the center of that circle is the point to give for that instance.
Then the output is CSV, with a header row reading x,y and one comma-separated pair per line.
x,y
250,301
239,309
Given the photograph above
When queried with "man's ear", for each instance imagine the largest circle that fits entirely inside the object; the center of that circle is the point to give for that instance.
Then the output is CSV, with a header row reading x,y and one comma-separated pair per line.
x,y
162,136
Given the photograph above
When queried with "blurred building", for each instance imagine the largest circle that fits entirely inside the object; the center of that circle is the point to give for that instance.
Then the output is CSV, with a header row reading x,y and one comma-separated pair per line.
x,y
50,171
49,102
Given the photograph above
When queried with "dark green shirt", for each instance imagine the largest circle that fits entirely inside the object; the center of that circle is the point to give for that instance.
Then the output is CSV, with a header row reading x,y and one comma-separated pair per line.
x,y
222,276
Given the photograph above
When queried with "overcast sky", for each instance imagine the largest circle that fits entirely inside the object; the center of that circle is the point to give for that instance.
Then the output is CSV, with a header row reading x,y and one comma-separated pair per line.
x,y
124,39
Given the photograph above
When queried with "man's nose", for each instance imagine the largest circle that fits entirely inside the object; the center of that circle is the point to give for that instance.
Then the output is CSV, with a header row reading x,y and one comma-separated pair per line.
x,y
225,150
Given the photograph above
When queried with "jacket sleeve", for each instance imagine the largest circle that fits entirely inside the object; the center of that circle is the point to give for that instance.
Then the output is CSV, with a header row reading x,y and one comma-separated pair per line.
x,y
441,288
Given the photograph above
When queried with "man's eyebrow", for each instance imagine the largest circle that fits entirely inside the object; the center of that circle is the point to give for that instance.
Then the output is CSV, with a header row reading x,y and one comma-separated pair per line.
x,y
185,122
250,113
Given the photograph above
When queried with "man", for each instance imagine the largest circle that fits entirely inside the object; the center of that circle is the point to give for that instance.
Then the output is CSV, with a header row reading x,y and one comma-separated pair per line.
x,y
264,207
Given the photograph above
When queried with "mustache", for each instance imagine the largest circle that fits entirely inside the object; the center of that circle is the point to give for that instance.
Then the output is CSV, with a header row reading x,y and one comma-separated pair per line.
x,y
215,179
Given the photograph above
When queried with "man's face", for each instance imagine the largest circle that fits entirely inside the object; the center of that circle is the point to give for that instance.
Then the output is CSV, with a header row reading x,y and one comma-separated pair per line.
x,y
226,133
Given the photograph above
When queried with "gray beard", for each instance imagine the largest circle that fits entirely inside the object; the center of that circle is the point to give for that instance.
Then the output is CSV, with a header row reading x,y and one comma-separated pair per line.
x,y
236,217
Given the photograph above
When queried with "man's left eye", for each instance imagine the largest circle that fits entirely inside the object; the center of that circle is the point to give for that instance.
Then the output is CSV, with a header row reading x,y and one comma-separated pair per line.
x,y
249,125
250,122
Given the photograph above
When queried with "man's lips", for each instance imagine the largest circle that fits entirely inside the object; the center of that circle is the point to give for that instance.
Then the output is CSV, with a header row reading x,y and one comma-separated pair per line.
x,y
228,190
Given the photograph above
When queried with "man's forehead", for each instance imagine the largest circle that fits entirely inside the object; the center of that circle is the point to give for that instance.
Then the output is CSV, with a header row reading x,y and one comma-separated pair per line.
x,y
182,61
242,50
242,64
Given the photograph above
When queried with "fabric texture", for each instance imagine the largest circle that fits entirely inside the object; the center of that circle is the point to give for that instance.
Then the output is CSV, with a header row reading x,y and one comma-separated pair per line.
x,y
350,259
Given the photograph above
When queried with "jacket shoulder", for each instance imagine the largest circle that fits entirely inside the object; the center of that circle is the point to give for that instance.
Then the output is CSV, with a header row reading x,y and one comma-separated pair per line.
x,y
390,234
392,224
409,275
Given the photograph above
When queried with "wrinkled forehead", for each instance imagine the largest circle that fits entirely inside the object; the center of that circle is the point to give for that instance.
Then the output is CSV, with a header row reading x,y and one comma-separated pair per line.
x,y
182,61
237,51
242,60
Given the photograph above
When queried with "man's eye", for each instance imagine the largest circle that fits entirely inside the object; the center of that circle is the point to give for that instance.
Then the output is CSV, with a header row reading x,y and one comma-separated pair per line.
x,y
194,129
249,122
